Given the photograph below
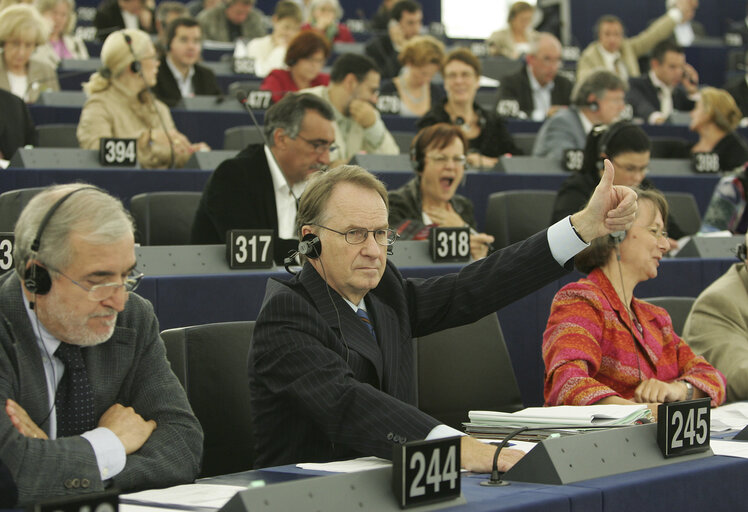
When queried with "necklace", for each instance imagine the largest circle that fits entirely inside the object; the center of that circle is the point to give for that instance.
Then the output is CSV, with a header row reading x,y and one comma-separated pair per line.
x,y
411,97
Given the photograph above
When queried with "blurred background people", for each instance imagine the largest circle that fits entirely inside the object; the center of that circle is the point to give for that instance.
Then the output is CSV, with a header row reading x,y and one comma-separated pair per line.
x,y
406,22
305,58
689,31
381,18
603,346
514,40
422,57
487,135
326,15
62,43
715,118
120,105
113,15
180,75
16,127
430,198
22,30
269,52
232,20
537,90
166,12
7,3
195,7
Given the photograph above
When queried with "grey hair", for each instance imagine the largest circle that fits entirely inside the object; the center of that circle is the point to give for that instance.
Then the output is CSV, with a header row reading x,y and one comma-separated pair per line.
x,y
288,114
539,38
334,3
92,214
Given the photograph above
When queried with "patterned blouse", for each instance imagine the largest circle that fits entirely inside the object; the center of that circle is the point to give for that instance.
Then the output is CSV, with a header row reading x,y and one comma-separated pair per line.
x,y
592,350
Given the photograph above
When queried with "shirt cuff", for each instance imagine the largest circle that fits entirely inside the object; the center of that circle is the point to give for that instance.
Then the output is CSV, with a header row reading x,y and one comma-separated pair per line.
x,y
654,116
374,134
676,15
442,431
109,451
563,241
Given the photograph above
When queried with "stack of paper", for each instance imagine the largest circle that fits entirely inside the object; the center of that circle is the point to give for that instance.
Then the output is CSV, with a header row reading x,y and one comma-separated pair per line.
x,y
564,415
730,417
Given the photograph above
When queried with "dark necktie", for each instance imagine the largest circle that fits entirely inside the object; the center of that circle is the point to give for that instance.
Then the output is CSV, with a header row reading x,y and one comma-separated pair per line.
x,y
365,319
74,401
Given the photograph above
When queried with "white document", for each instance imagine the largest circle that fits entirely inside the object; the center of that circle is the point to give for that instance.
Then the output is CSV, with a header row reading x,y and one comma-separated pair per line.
x,y
563,415
729,448
347,466
188,495
729,417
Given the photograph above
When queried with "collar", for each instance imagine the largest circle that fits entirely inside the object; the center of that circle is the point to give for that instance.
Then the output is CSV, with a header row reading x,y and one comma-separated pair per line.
x,y
535,85
44,339
280,184
659,84
586,123
356,307
608,57
178,74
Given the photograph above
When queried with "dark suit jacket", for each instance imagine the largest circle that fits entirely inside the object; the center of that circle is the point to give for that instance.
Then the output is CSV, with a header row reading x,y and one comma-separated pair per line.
x,y
16,127
129,368
517,87
239,195
738,89
108,19
322,389
166,88
642,96
381,50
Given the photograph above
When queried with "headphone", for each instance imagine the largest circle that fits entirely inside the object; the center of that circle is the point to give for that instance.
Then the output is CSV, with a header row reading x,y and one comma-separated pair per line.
x,y
310,246
416,154
36,278
608,133
135,65
741,252
594,106
618,236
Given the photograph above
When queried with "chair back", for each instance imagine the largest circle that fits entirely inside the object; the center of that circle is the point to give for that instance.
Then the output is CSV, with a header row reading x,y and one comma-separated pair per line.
x,y
513,215
12,203
239,137
684,211
164,218
57,136
677,307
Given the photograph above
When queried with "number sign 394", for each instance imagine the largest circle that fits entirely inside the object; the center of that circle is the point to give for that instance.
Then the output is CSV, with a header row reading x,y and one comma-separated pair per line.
x,y
119,152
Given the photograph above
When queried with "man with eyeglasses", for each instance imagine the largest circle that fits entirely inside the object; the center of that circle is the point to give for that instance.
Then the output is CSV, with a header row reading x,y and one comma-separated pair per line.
x,y
89,400
352,93
331,370
259,188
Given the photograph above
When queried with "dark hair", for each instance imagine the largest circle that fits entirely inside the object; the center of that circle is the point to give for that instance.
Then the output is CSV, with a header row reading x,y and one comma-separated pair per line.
x,y
304,45
288,9
171,30
596,83
616,139
438,136
289,112
597,254
661,48
466,56
607,18
396,13
518,8
359,65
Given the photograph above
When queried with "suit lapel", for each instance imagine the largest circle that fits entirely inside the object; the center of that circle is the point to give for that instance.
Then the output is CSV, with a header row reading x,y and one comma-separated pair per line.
x,y
387,329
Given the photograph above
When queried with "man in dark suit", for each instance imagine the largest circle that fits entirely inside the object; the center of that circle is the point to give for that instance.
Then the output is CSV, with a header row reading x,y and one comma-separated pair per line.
x,y
331,369
668,86
89,400
259,188
179,74
537,90
738,89
16,127
113,15
406,21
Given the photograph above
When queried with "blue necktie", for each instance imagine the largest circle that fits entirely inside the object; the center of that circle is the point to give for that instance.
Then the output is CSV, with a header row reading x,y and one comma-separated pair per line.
x,y
365,319
74,401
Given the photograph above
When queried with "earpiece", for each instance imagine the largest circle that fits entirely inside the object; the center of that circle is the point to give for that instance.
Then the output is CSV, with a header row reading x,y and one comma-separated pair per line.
x,y
135,66
608,134
618,236
310,246
741,252
594,106
416,154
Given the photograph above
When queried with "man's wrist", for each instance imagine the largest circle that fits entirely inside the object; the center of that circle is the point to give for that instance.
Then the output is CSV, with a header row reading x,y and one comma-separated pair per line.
x,y
578,226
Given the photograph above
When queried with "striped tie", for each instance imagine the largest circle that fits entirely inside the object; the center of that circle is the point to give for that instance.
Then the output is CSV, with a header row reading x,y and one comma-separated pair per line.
x,y
365,319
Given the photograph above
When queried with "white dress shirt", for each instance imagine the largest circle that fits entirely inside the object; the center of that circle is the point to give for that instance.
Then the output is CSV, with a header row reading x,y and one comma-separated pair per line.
x,y
184,83
285,198
541,97
665,96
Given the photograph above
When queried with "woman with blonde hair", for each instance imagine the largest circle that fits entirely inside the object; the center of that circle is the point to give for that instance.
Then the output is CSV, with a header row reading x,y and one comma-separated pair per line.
x,y
62,44
422,57
120,103
514,40
22,30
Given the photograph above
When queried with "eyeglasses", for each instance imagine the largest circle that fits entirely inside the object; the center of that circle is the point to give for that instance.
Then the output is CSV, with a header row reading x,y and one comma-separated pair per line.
x,y
357,236
631,168
657,233
465,75
440,159
320,146
99,292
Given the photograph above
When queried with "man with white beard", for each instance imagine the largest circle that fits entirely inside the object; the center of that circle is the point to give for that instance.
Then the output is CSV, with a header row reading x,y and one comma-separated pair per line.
x,y
90,401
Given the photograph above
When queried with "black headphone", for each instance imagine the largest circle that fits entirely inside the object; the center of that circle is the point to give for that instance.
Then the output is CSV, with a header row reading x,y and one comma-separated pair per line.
x,y
608,133
36,278
594,106
135,65
618,236
416,154
741,252
310,246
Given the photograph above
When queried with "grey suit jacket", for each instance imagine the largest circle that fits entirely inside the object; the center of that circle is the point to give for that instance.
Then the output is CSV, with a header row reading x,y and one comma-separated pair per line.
x,y
129,368
561,132
41,77
717,328
214,24
323,389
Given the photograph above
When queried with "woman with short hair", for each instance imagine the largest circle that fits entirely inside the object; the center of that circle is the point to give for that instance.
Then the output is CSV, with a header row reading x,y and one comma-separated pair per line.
x,y
62,44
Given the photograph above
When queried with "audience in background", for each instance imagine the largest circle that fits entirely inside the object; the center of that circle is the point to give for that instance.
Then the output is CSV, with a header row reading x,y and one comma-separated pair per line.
x,y
326,15
604,346
119,104
668,87
430,198
305,57
738,89
715,118
514,40
7,3
22,30
166,12
488,137
619,54
406,23
179,74
537,90
306,9
62,44
197,6
232,20
16,127
381,18
113,15
689,31
353,92
598,99
269,52
422,57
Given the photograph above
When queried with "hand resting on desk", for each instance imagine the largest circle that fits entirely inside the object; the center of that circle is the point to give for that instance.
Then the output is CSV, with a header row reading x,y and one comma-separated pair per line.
x,y
478,457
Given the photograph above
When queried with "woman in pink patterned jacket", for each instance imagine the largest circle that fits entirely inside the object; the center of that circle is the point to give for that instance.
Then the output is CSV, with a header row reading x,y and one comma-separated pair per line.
x,y
603,346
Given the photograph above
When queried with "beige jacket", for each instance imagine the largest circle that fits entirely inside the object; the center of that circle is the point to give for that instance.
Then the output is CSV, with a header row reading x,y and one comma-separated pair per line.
x,y
74,44
352,138
117,112
717,328
631,49
40,76
501,42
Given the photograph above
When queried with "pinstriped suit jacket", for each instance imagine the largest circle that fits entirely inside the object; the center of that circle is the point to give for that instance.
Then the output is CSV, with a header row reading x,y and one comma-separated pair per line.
x,y
323,389
129,368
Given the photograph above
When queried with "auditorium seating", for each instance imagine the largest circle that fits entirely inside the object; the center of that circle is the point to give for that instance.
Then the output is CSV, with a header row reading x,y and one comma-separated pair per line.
x,y
677,307
210,361
514,215
57,136
239,137
12,203
164,218
684,211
